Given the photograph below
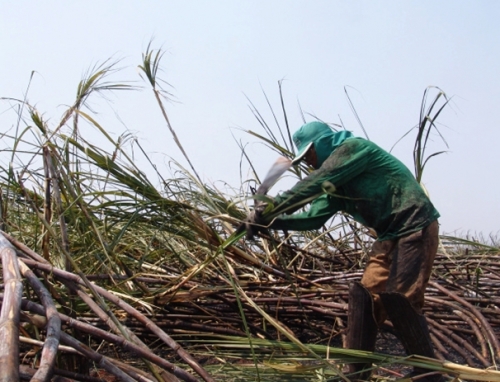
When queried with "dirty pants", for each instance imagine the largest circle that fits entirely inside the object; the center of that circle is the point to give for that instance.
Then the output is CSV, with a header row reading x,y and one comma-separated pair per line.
x,y
402,265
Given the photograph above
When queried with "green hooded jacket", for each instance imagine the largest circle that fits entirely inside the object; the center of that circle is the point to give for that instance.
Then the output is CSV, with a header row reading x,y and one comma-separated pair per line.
x,y
371,185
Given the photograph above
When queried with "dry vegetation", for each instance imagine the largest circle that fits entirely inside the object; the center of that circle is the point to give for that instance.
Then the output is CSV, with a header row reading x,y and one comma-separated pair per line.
x,y
107,276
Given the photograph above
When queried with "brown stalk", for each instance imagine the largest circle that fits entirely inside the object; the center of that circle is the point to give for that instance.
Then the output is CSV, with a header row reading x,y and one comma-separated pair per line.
x,y
59,207
47,205
53,327
24,248
3,211
10,313
98,359
137,374
472,321
439,347
59,210
26,373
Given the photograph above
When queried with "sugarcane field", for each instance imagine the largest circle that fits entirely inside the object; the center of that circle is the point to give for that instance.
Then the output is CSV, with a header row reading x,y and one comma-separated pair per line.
x,y
111,271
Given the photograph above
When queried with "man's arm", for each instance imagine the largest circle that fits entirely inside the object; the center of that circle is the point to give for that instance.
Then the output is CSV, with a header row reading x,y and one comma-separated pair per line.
x,y
346,162
321,209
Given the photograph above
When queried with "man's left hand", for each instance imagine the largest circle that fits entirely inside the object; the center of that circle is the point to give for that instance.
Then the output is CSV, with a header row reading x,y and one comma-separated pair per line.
x,y
254,223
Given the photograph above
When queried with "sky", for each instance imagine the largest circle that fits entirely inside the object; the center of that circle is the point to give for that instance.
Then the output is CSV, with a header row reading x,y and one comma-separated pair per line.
x,y
220,56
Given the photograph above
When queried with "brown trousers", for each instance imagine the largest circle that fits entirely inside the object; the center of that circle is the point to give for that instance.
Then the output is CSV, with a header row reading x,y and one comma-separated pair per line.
x,y
403,265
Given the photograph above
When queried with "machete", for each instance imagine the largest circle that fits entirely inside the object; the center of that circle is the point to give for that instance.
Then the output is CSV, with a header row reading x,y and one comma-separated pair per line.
x,y
277,169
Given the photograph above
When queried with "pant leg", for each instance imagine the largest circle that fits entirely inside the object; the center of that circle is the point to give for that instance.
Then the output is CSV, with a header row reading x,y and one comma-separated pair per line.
x,y
411,265
402,266
361,329
410,271
376,274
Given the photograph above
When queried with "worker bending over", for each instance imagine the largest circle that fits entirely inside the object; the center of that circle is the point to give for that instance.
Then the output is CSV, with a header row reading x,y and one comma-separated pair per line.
x,y
378,191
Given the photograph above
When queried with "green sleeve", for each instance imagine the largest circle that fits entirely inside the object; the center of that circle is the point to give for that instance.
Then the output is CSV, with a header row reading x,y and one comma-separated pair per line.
x,y
346,162
321,209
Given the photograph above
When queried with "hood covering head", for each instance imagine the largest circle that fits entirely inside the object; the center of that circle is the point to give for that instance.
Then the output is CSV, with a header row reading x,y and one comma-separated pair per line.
x,y
319,134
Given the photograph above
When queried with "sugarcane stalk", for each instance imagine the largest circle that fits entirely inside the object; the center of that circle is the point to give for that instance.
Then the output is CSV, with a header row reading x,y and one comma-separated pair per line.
x,y
47,204
26,373
100,360
53,328
10,314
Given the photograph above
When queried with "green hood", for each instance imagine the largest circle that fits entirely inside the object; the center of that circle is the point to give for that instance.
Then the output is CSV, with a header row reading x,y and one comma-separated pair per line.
x,y
324,138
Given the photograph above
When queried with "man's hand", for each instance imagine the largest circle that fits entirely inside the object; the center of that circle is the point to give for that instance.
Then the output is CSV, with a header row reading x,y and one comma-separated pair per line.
x,y
253,223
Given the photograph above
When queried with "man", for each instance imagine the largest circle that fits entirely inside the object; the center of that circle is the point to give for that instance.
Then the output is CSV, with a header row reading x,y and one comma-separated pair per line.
x,y
379,191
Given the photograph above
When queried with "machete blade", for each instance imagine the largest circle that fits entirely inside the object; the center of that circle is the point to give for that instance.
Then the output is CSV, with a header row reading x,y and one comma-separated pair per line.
x,y
277,169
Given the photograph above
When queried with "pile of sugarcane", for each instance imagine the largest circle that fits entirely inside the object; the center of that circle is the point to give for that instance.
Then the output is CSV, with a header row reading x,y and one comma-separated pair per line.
x,y
38,325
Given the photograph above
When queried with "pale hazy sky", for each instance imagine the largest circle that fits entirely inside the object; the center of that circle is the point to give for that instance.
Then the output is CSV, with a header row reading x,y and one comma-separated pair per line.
x,y
218,52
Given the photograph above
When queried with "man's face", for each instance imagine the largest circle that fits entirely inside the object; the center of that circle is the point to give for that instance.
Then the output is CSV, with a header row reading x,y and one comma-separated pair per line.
x,y
311,158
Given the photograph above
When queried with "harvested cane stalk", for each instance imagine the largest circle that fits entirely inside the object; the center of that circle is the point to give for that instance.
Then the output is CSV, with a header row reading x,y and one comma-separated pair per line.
x,y
53,327
58,203
100,361
9,314
31,341
26,373
47,205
